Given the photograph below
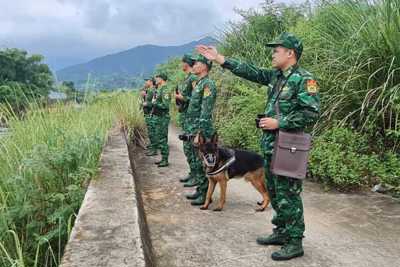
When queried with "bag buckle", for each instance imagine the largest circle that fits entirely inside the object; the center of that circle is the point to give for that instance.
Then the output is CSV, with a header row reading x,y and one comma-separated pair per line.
x,y
293,150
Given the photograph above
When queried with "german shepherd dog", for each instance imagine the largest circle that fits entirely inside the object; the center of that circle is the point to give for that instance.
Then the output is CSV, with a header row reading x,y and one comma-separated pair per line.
x,y
222,164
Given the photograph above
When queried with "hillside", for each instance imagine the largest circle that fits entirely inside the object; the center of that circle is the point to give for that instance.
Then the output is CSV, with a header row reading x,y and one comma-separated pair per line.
x,y
120,69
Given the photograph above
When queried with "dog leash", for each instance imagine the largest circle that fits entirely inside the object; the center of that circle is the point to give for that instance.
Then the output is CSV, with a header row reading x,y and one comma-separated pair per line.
x,y
228,163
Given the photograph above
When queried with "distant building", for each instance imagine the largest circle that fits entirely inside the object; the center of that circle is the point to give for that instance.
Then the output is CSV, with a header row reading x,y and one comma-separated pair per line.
x,y
54,97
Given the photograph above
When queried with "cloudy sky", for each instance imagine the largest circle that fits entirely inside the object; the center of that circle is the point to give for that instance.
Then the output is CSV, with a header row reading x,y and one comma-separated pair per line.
x,y
67,32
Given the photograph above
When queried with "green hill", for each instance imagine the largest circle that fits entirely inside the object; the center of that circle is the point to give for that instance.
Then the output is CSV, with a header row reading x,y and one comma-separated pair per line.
x,y
124,68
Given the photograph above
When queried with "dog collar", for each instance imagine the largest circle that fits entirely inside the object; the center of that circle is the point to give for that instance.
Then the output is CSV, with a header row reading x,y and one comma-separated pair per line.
x,y
228,163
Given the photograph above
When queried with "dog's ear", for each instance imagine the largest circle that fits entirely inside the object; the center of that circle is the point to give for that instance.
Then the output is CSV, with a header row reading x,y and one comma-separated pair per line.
x,y
199,139
214,138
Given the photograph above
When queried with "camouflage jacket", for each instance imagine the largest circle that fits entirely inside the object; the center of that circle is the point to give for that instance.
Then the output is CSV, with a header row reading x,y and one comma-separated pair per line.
x,y
186,90
201,105
299,101
148,98
162,101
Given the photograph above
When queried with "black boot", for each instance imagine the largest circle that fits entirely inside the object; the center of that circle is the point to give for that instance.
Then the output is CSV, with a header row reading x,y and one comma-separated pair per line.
x,y
191,183
277,238
186,179
193,196
292,249
200,200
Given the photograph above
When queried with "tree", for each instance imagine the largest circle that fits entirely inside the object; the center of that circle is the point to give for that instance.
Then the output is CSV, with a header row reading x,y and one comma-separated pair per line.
x,y
23,77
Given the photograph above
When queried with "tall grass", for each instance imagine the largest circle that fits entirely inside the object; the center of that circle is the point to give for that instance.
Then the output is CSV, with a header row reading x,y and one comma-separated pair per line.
x,y
45,164
353,47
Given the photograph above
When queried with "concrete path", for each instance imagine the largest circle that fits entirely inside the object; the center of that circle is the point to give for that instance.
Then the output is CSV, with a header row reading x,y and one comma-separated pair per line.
x,y
341,229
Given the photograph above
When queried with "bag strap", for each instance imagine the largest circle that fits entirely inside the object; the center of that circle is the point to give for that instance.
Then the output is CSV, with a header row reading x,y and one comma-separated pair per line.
x,y
280,86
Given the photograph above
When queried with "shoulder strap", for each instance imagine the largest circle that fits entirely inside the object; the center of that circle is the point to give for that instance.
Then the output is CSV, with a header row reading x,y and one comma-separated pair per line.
x,y
281,85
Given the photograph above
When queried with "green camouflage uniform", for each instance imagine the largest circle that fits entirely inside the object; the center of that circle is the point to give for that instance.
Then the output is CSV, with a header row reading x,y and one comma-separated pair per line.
x,y
161,120
199,118
186,91
149,119
299,108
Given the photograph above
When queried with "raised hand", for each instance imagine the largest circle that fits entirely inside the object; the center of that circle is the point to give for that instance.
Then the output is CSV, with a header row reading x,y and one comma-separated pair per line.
x,y
208,52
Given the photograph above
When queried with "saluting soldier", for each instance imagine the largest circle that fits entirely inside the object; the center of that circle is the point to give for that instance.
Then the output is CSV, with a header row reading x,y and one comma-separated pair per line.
x,y
299,105
199,118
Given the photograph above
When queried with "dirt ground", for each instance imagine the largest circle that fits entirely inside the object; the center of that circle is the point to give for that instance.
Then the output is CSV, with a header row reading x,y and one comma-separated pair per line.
x,y
341,229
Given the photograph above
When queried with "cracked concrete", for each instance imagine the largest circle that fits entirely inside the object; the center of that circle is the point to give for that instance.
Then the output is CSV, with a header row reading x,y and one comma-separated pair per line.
x,y
341,229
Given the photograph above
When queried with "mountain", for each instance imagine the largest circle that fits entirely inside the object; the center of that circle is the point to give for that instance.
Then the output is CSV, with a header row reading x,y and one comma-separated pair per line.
x,y
120,69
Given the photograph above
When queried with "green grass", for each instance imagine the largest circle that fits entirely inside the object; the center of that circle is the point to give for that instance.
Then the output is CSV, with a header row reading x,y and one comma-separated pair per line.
x,y
45,164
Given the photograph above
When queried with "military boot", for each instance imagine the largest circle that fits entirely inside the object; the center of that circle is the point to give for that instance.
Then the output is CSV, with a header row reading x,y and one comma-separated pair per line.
x,y
200,200
186,179
193,196
163,163
191,183
151,153
276,238
292,249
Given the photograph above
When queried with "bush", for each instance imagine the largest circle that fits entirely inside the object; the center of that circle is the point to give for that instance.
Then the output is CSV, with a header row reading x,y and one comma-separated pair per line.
x,y
342,158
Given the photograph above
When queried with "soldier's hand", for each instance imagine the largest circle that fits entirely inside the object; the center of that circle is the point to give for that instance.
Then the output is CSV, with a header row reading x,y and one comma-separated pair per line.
x,y
211,53
178,96
269,124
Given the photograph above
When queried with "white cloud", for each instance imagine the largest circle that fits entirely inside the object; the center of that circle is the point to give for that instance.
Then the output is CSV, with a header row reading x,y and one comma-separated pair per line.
x,y
72,31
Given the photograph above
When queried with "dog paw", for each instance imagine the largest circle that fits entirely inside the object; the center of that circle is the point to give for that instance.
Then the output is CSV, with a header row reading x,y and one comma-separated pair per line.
x,y
260,209
259,203
217,209
204,208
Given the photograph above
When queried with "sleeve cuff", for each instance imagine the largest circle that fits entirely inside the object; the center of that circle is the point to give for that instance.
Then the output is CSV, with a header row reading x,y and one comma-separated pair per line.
x,y
229,64
283,124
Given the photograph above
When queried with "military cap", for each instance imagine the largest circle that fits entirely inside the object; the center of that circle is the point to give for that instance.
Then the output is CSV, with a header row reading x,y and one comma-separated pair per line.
x,y
201,58
150,78
162,75
188,58
289,41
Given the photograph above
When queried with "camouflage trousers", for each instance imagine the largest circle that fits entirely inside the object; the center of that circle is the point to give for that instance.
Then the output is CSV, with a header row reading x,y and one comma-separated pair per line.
x,y
187,146
284,193
197,163
161,135
149,119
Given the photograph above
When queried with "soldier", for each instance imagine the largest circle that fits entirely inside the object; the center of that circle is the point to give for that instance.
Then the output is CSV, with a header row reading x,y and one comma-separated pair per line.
x,y
147,108
182,99
299,108
161,102
199,118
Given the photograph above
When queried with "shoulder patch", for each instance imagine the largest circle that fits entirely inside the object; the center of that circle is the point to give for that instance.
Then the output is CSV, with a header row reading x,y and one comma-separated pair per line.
x,y
207,92
312,87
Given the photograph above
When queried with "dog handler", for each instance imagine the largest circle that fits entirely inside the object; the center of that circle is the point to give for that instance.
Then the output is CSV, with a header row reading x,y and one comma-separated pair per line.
x,y
299,107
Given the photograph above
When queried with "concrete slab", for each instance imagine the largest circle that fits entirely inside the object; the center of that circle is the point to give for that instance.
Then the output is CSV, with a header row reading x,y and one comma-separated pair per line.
x,y
341,229
106,232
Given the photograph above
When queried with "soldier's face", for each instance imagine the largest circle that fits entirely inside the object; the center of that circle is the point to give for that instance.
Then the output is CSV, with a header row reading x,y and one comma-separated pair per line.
x,y
281,56
199,67
185,67
148,83
158,80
